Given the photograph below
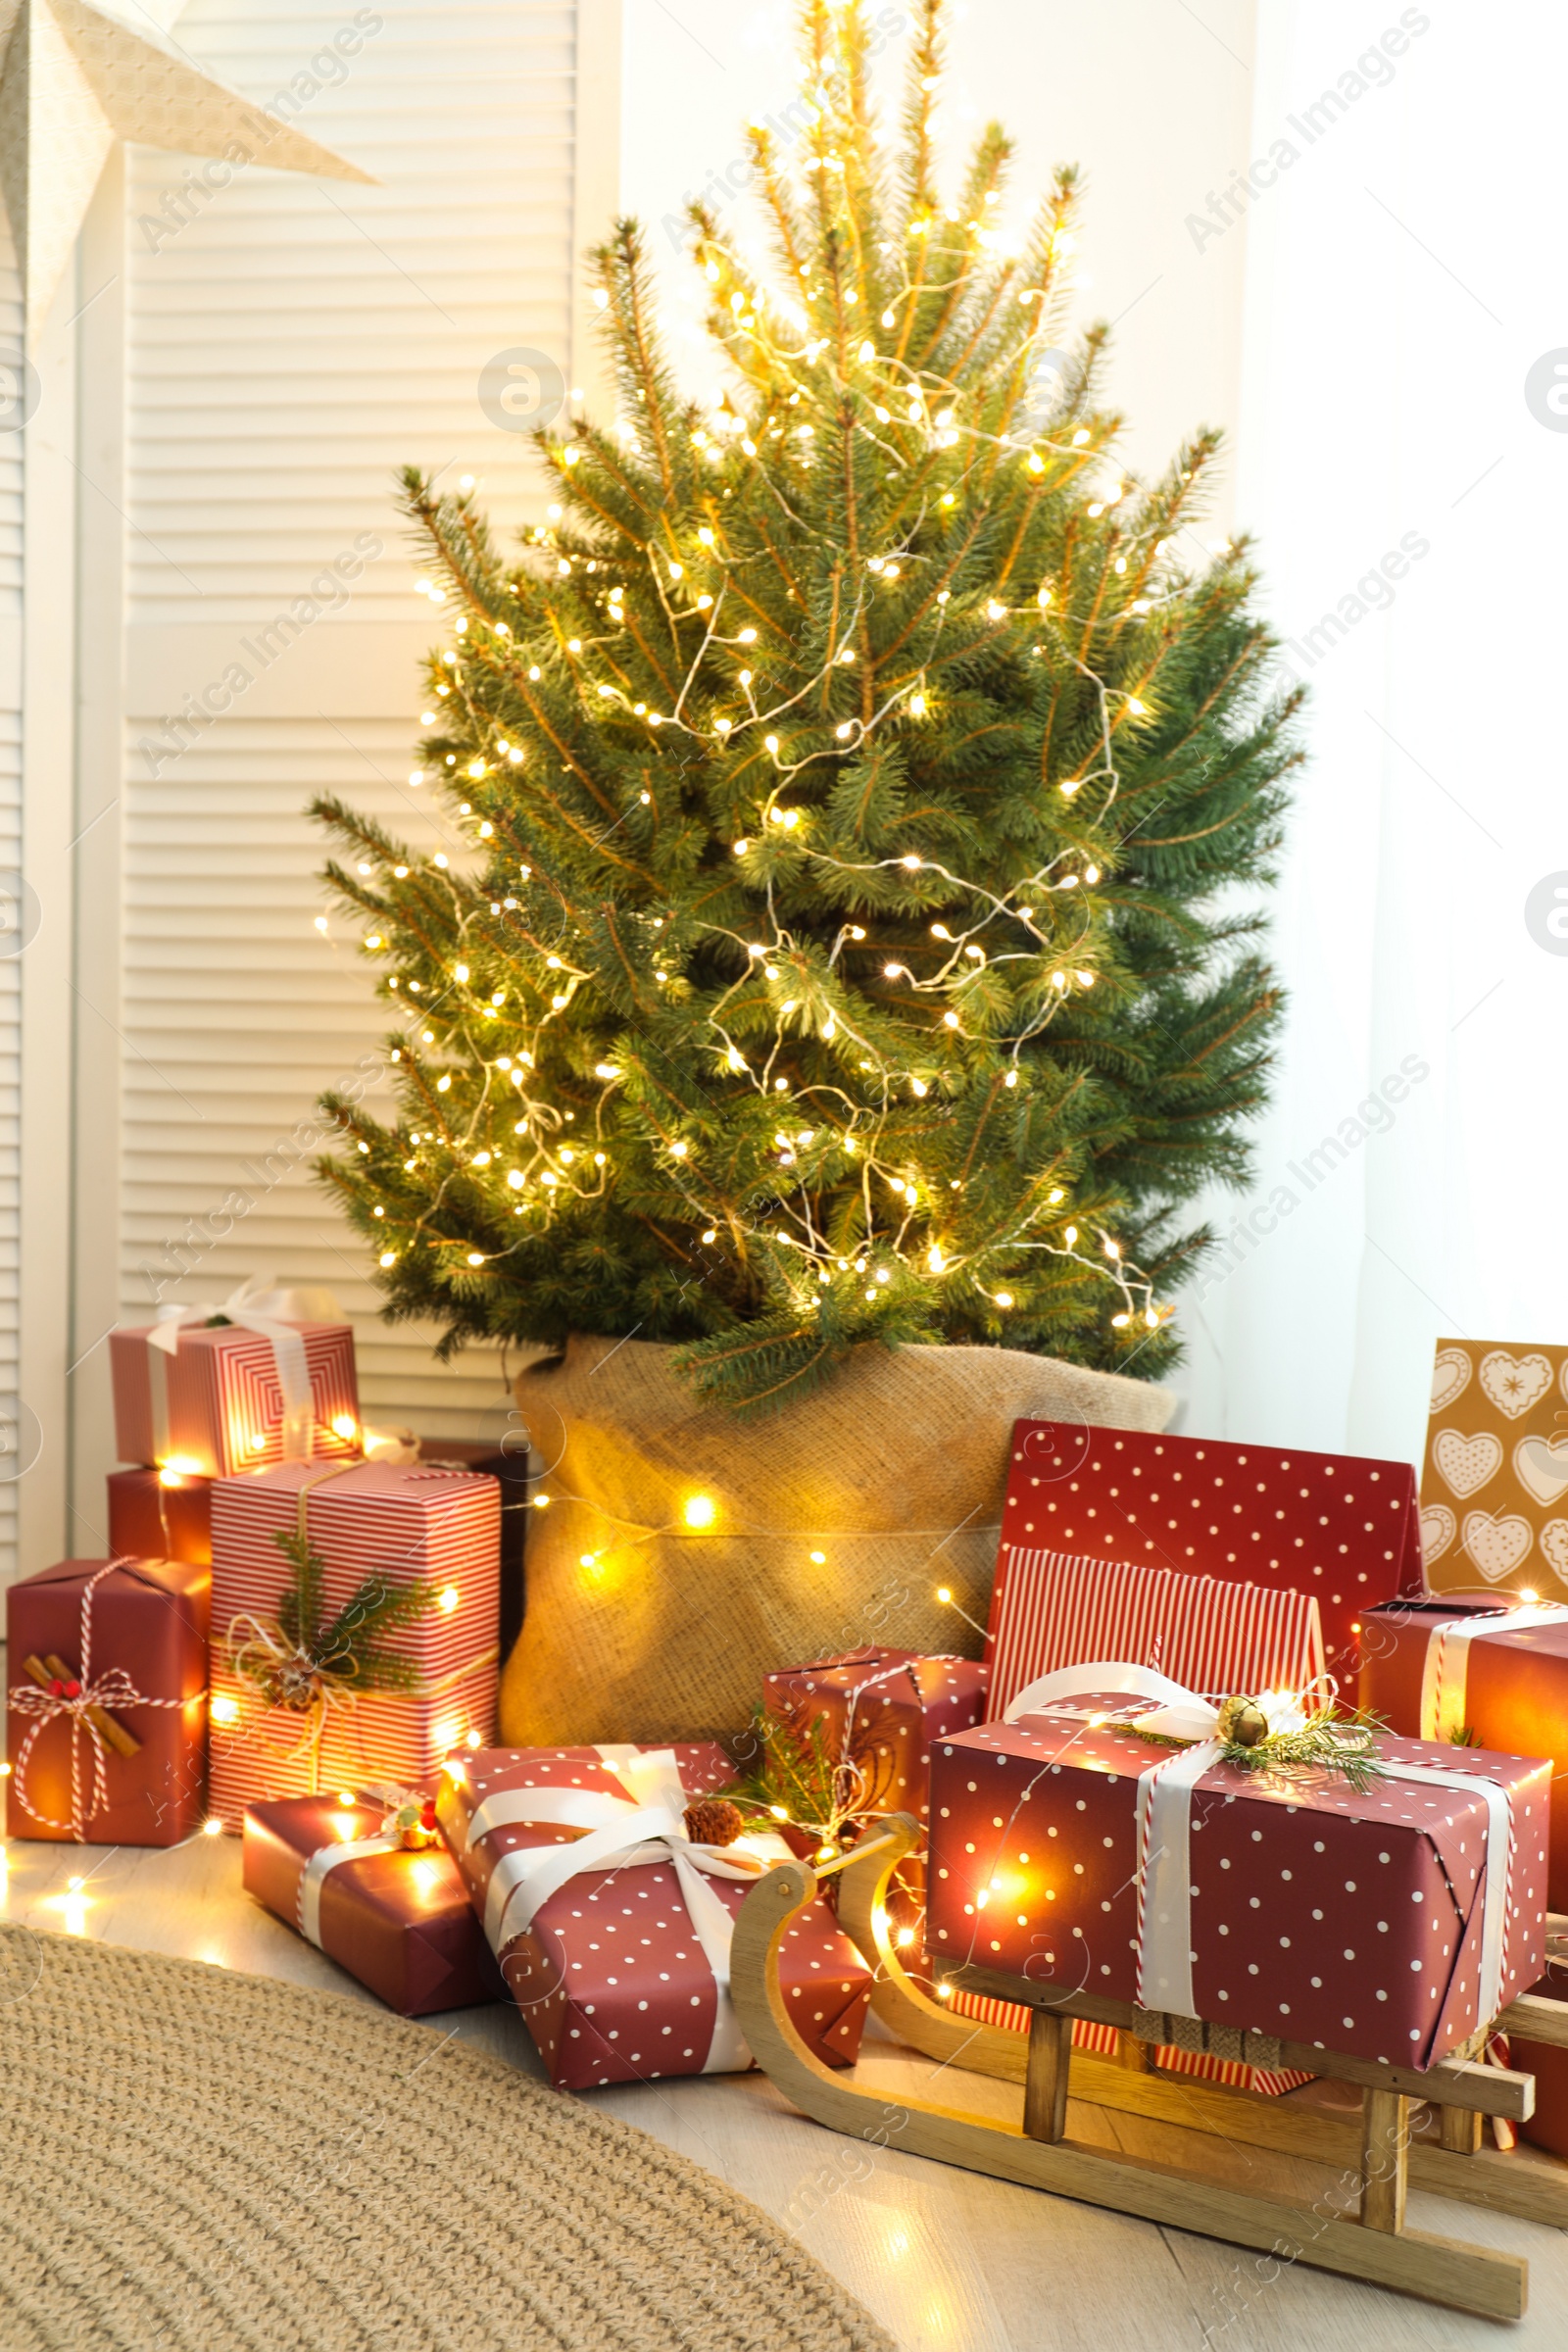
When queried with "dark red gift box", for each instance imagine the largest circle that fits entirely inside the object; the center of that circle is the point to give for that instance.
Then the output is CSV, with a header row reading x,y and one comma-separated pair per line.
x,y
161,1515
1341,1528
880,1709
1547,2128
1433,1669
1345,1922
613,1975
133,1633
400,1923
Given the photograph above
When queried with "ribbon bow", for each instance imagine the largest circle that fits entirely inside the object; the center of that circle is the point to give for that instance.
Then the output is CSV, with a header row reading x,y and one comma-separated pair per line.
x,y
80,1697
645,1825
1164,1821
275,1315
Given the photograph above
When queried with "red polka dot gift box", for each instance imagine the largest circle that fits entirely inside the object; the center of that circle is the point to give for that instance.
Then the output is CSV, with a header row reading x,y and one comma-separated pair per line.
x,y
613,1925
1342,1531
1055,1609
875,1713
1391,1924
1486,1673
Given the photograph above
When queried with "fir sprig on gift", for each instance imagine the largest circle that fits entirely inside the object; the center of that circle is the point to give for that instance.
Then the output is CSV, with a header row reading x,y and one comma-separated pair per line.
x,y
799,1774
349,1647
1325,1742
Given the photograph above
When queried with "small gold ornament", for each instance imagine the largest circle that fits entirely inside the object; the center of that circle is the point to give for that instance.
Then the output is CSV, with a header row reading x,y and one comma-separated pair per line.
x,y
1242,1723
415,1825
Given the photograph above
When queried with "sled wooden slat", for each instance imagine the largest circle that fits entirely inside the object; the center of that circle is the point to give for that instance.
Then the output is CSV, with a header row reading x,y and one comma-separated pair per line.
x,y
1038,2151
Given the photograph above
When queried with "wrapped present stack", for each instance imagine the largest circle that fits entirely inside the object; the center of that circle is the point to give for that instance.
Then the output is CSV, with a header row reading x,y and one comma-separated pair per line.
x,y
287,1640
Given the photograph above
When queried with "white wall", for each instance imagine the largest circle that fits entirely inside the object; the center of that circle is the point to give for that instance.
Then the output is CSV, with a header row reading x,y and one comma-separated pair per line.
x,y
1152,100
1405,278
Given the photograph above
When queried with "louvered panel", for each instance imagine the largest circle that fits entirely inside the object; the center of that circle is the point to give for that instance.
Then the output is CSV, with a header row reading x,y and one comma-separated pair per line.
x,y
291,346
296,339
14,1441
238,1013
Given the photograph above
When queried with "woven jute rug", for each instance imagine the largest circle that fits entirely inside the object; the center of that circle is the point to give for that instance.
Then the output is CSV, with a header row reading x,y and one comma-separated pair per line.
x,y
196,2158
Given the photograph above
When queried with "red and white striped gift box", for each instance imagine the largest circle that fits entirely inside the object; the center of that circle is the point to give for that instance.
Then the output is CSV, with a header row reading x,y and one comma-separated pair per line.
x,y
1011,2017
412,1523
215,1406
1053,1608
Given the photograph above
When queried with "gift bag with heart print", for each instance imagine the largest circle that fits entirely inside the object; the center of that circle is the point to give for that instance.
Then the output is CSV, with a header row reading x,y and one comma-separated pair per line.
x,y
1495,1479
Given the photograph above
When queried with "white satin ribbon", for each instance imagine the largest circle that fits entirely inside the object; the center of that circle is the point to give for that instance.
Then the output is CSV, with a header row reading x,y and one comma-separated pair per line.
x,y
274,1315
645,1825
1445,1674
326,1858
1165,1813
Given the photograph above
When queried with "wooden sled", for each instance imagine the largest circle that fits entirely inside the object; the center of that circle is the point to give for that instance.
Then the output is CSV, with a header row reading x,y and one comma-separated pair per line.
x,y
1447,2156
1368,2241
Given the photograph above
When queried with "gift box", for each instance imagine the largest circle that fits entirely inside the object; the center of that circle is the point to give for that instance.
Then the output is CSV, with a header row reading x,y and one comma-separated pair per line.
x,y
1547,2126
406,1524
398,1921
161,1515
1051,1609
106,1731
213,1398
1495,1474
613,1925
1342,1529
871,1716
509,1470
1474,1673
1389,1924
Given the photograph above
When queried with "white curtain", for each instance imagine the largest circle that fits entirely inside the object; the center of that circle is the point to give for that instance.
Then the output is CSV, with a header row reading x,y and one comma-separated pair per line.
x,y
1404,465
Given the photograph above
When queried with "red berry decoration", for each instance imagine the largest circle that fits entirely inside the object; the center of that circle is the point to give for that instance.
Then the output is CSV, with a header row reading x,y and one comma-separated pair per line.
x,y
57,1688
73,1690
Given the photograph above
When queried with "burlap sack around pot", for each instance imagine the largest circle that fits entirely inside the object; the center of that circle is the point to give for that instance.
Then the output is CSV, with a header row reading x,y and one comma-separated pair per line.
x,y
833,1526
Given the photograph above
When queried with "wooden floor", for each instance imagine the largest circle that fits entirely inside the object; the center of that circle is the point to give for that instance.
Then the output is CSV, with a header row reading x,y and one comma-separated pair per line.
x,y
949,2262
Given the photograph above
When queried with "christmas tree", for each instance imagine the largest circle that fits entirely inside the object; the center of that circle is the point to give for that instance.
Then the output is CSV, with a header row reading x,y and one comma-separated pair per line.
x,y
858,766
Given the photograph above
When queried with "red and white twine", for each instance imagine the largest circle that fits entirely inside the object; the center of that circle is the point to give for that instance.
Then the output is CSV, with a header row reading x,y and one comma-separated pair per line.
x,y
112,1692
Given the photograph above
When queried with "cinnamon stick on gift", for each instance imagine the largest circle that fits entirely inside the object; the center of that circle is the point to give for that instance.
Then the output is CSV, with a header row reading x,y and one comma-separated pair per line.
x,y
45,1671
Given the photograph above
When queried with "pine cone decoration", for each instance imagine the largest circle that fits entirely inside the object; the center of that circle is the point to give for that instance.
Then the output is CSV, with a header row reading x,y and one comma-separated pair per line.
x,y
714,1821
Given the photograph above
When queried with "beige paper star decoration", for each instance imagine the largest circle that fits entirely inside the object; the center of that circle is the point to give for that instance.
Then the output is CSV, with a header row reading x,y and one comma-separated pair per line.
x,y
73,79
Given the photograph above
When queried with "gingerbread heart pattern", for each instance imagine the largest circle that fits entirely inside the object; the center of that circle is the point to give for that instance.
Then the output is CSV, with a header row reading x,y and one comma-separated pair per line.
x,y
1514,1382
1555,1546
1437,1529
1496,1545
1451,1377
1541,1469
1467,1463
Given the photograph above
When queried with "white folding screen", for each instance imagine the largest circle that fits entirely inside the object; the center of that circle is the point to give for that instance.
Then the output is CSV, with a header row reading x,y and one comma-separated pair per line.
x,y
16,1443
258,352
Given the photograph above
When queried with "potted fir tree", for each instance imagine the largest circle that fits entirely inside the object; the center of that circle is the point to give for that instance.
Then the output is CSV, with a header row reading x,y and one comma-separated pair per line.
x,y
847,992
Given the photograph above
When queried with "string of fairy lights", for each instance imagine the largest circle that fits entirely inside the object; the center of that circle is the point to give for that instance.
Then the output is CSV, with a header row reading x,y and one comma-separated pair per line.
x,y
1042,921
